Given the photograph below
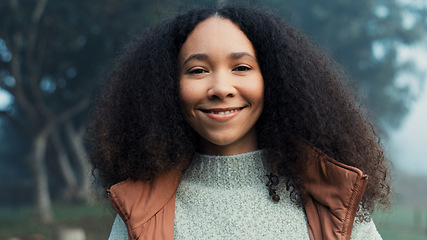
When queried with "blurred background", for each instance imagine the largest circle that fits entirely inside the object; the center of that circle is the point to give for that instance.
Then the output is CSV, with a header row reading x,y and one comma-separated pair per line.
x,y
52,58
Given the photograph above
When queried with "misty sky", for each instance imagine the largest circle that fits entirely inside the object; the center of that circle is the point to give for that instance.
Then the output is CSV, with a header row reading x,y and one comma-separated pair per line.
x,y
408,145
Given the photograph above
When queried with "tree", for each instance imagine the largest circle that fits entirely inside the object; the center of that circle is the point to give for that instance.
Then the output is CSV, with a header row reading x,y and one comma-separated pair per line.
x,y
28,50
52,54
57,50
363,36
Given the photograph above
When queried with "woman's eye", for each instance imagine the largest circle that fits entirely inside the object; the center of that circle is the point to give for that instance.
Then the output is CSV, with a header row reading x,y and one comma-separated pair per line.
x,y
242,68
197,71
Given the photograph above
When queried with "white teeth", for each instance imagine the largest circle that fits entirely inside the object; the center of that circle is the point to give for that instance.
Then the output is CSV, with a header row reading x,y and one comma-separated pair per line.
x,y
223,113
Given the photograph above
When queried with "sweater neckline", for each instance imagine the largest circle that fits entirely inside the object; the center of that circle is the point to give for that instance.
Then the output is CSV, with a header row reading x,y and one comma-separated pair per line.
x,y
241,170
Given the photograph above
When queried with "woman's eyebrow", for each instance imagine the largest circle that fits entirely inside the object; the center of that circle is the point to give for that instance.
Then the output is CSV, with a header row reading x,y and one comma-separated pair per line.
x,y
204,56
237,55
198,56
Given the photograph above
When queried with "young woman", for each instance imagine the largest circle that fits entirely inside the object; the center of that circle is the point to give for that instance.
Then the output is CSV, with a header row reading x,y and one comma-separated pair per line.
x,y
229,124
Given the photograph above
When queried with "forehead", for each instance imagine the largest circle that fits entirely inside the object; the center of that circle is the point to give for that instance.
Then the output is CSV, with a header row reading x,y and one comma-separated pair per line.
x,y
216,34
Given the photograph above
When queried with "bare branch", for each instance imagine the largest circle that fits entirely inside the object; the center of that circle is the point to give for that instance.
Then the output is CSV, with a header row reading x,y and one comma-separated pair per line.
x,y
16,71
64,164
71,112
14,4
33,75
81,131
38,11
12,120
32,36
66,115
75,137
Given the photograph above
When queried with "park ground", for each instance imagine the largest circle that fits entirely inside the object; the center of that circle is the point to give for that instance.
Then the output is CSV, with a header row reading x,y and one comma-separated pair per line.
x,y
399,222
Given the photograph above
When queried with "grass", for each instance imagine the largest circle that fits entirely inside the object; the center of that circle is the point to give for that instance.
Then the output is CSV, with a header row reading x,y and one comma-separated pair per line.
x,y
402,223
96,220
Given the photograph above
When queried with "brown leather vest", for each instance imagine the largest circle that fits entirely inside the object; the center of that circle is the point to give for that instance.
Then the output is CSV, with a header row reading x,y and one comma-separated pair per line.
x,y
335,190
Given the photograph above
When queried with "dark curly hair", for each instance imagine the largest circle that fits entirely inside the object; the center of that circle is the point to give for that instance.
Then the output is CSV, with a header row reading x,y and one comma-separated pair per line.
x,y
138,131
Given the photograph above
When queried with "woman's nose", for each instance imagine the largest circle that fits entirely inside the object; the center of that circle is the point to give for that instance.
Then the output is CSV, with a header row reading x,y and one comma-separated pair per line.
x,y
221,87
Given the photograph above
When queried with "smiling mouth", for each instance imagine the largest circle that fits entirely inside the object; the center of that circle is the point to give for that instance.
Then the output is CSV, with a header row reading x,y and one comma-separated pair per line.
x,y
222,111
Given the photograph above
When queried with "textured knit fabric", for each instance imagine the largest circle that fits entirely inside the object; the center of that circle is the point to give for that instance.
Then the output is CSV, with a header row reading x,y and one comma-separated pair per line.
x,y
118,231
225,197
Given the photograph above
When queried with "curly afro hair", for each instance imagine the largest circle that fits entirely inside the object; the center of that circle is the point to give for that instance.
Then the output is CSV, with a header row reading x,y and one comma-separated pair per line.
x,y
138,130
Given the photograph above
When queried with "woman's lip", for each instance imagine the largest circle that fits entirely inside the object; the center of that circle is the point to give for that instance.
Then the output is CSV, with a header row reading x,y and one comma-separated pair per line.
x,y
222,114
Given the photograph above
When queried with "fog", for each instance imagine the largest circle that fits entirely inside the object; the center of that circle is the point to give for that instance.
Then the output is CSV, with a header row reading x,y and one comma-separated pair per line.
x,y
408,145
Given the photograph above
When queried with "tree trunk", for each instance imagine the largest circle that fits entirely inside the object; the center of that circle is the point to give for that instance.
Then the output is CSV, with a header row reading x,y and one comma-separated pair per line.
x,y
43,209
65,168
75,138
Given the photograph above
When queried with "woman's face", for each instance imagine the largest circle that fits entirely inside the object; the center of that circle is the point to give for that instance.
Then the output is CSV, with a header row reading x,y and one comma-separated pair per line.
x,y
221,87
